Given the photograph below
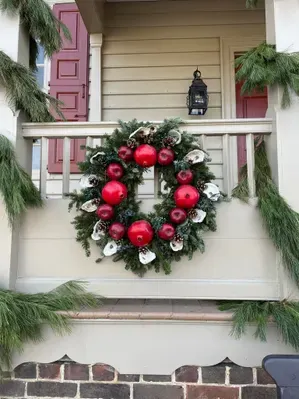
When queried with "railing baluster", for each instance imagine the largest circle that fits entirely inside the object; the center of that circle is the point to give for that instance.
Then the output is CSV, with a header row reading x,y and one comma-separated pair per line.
x,y
43,166
226,164
66,165
157,185
250,164
203,142
89,141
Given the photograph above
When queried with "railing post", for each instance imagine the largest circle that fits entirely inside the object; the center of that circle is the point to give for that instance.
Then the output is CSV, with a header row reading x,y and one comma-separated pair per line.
x,y
15,43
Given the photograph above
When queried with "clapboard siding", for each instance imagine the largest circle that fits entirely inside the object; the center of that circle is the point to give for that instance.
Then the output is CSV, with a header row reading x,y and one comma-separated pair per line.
x,y
151,49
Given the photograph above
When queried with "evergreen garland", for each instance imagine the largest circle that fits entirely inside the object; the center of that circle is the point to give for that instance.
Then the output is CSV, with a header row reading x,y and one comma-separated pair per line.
x,y
285,314
128,210
16,187
22,316
280,220
264,66
23,92
41,24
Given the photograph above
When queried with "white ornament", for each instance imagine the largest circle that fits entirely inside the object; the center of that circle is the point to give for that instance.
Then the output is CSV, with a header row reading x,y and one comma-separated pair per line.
x,y
147,257
212,191
176,135
200,216
98,231
176,245
88,181
89,206
95,157
110,248
144,131
195,156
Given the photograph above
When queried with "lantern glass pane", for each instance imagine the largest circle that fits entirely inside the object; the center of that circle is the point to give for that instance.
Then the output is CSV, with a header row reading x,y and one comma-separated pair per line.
x,y
199,98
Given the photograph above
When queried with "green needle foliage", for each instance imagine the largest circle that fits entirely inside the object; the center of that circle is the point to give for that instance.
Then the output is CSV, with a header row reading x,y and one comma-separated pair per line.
x,y
23,316
264,66
285,314
23,92
41,23
251,3
280,220
16,187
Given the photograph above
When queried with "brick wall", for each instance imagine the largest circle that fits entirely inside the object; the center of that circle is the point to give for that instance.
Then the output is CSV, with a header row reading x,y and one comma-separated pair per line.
x,y
66,379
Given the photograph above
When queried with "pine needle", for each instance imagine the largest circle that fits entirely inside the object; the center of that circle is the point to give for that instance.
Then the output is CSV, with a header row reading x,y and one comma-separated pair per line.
x,y
41,23
285,314
280,220
16,187
264,66
23,93
22,316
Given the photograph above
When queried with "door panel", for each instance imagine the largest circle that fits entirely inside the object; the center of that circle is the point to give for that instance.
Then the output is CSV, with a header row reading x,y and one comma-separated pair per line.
x,y
69,83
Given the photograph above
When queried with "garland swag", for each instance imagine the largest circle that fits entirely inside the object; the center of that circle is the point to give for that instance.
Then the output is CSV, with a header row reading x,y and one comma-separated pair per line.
x,y
264,66
16,187
22,316
285,314
175,227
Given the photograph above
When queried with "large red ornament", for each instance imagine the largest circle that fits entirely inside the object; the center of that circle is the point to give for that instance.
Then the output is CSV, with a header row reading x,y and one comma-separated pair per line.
x,y
165,156
105,212
140,233
145,155
178,215
114,192
184,176
117,231
186,196
166,232
115,171
125,153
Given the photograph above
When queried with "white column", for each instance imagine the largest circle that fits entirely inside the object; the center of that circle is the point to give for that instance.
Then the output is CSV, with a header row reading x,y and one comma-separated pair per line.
x,y
282,28
14,42
95,101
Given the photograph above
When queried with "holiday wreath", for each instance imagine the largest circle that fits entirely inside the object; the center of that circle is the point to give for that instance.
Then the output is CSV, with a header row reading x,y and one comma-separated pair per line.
x,y
110,213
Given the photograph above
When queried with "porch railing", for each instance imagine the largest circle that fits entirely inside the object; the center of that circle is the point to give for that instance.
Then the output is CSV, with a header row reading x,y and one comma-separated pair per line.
x,y
225,130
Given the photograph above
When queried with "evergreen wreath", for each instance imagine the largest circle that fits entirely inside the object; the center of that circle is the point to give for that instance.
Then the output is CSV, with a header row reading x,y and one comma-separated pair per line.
x,y
110,213
263,66
16,187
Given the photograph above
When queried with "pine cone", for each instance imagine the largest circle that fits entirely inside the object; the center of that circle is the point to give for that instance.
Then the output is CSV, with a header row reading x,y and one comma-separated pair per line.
x,y
103,225
148,139
192,213
143,250
168,141
200,185
178,238
132,143
96,201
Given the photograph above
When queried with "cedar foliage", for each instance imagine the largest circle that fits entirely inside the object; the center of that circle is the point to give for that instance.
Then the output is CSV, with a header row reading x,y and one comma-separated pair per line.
x,y
22,316
23,92
41,23
16,187
280,220
128,210
285,314
264,66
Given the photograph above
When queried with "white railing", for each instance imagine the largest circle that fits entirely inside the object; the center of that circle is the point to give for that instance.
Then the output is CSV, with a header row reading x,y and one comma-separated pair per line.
x,y
227,130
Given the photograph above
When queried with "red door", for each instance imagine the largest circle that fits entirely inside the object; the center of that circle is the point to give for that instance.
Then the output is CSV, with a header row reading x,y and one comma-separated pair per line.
x,y
254,106
69,83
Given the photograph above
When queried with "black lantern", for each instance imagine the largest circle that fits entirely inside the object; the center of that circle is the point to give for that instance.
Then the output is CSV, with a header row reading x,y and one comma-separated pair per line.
x,y
198,98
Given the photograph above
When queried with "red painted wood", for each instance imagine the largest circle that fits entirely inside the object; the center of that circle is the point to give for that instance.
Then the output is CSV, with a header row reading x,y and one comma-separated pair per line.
x,y
69,83
253,106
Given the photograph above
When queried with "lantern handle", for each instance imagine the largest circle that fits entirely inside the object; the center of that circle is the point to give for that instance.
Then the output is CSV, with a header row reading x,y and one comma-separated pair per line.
x,y
197,74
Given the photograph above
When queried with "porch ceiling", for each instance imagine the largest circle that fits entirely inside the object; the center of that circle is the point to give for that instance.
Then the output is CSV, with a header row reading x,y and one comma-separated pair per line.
x,y
92,12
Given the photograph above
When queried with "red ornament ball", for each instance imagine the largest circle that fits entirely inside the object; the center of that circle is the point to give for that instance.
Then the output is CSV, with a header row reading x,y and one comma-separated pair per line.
x,y
166,232
105,212
165,156
184,176
114,192
145,155
125,153
117,231
178,215
140,233
115,171
186,196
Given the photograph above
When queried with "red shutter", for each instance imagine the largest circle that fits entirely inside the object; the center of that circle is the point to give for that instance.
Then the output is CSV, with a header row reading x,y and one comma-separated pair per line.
x,y
69,83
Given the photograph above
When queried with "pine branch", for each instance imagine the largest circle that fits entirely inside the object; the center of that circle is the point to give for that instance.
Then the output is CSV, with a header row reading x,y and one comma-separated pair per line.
x,y
285,314
22,316
23,93
16,187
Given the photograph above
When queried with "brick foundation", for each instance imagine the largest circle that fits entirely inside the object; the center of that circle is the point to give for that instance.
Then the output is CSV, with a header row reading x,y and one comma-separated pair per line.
x,y
66,379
